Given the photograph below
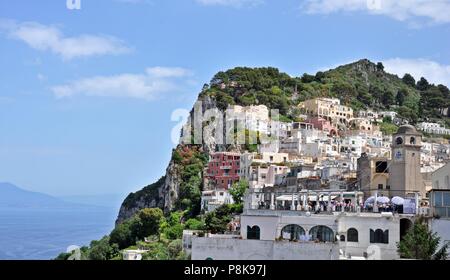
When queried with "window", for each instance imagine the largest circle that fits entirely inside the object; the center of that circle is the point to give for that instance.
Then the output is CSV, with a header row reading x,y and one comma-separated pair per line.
x,y
437,201
446,199
292,232
412,140
352,235
322,233
379,236
253,232
399,140
381,167
388,187
380,186
342,238
271,158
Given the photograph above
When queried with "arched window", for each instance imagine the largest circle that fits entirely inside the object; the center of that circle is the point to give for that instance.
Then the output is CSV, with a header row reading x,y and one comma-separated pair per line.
x,y
399,140
379,236
352,235
322,233
412,140
253,232
342,238
292,232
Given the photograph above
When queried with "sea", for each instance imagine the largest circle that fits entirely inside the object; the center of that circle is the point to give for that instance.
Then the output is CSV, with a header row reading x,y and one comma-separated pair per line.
x,y
42,234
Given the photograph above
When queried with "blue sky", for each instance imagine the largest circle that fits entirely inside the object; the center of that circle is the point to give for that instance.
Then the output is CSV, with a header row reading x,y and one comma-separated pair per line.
x,y
86,96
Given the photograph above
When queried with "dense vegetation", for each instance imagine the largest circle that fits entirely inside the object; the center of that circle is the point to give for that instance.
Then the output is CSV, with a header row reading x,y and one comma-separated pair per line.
x,y
191,161
360,85
422,244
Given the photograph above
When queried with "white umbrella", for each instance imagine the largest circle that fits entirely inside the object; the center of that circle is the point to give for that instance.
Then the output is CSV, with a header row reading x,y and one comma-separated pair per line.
x,y
383,199
286,197
397,200
370,200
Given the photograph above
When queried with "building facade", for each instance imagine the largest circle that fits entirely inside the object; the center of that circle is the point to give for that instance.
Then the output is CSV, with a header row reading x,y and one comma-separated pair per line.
x,y
405,177
224,169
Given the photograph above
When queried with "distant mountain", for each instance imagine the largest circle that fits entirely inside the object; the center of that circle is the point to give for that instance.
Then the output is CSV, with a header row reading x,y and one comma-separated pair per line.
x,y
12,196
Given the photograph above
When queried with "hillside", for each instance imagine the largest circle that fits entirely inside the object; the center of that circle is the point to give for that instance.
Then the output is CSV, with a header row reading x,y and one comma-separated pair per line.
x,y
361,85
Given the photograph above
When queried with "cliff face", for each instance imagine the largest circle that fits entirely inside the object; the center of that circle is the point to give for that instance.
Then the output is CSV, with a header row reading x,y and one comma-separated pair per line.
x,y
162,194
165,192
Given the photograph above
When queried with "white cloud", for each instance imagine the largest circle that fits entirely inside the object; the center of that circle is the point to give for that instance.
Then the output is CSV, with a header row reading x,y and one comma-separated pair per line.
x,y
50,38
230,3
433,11
432,71
154,81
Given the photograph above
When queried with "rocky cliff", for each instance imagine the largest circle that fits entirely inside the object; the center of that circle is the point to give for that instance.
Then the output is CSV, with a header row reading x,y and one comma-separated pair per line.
x,y
165,192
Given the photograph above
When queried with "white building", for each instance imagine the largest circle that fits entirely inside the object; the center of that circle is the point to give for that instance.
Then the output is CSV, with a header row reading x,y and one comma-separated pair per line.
x,y
293,235
214,198
433,128
133,255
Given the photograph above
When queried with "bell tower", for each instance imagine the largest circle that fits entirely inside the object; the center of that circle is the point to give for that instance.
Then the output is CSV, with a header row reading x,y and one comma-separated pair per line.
x,y
404,170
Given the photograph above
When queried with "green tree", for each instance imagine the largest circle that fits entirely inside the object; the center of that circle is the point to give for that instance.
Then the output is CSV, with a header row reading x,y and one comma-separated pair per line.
x,y
195,224
409,80
401,96
380,66
217,220
422,84
156,251
319,76
388,98
148,222
306,78
420,243
122,235
407,113
238,189
388,128
175,249
102,250
172,228
387,119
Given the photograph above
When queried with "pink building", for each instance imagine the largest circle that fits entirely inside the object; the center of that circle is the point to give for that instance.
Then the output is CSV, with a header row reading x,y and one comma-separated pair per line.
x,y
323,125
223,169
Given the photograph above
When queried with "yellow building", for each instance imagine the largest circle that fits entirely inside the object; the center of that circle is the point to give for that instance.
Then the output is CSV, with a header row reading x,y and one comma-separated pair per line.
x,y
327,108
373,175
